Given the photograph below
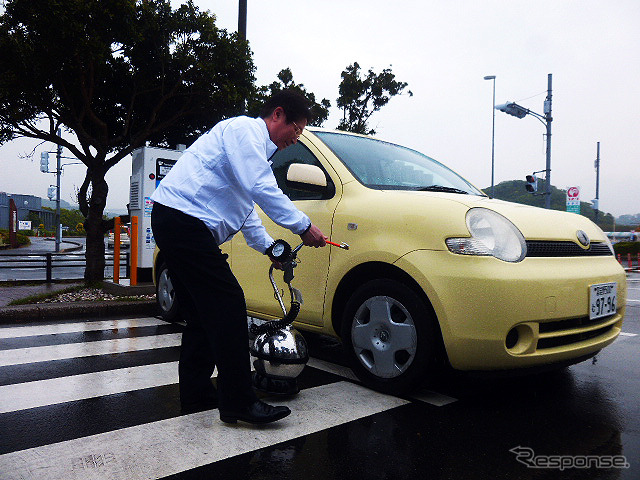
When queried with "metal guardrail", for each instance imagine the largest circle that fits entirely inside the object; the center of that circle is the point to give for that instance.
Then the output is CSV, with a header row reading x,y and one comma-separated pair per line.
x,y
49,261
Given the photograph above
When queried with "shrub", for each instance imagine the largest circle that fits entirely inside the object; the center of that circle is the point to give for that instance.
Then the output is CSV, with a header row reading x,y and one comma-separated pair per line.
x,y
623,248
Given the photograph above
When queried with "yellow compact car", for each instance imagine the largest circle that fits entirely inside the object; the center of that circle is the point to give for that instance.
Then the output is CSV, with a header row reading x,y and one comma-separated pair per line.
x,y
436,272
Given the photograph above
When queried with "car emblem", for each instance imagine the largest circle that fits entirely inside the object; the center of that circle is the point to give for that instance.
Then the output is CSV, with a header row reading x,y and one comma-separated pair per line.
x,y
583,238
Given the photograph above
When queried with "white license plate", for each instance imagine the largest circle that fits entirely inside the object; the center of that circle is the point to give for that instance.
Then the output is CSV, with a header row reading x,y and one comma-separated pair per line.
x,y
603,300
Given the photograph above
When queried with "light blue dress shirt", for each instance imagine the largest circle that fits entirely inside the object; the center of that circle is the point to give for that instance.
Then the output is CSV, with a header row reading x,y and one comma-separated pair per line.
x,y
222,175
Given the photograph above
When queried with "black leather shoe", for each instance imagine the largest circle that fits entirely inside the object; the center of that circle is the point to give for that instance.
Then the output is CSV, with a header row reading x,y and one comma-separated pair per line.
x,y
256,413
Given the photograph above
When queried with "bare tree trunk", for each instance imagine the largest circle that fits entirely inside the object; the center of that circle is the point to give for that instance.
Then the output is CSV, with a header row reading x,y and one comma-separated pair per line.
x,y
96,228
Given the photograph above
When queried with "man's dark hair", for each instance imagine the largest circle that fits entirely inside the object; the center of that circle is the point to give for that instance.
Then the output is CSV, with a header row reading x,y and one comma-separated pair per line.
x,y
294,104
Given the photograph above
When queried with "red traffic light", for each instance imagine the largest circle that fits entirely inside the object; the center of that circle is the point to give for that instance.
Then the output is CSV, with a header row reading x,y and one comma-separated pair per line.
x,y
532,183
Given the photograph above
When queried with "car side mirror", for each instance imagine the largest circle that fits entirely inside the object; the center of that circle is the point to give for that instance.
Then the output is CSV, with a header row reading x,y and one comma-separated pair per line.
x,y
309,178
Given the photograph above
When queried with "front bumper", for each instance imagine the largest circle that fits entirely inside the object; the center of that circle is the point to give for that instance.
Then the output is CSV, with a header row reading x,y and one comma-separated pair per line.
x,y
496,315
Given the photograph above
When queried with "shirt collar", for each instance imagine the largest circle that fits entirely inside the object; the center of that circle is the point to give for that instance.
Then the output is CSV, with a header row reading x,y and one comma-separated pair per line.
x,y
271,147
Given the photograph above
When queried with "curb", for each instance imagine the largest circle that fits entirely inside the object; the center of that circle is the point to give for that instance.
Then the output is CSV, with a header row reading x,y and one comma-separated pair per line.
x,y
58,311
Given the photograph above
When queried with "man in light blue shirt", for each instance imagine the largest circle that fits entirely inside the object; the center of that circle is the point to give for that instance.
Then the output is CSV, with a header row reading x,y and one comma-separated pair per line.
x,y
207,197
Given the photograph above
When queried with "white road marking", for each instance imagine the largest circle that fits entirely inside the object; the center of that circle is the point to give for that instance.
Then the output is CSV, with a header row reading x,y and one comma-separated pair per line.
x,y
33,330
19,356
21,396
427,396
167,447
332,368
630,300
625,334
31,390
434,398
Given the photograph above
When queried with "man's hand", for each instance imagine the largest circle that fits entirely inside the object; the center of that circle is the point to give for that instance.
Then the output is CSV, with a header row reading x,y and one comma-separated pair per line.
x,y
314,237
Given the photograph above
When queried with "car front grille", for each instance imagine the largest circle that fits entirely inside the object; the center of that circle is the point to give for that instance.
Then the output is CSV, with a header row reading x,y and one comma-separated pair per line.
x,y
535,338
567,332
538,248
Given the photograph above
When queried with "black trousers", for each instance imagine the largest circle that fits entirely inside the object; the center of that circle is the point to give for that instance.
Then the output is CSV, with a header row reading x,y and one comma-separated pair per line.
x,y
212,303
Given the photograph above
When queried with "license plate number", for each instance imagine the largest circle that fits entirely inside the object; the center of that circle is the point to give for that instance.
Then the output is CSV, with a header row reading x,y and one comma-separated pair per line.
x,y
603,299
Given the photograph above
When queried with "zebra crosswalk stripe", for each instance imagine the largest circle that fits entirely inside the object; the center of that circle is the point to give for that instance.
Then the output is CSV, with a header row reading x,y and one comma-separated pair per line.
x,y
167,447
33,330
21,396
74,350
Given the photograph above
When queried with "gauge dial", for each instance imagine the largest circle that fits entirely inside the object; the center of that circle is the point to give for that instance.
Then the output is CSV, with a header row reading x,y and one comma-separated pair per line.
x,y
279,250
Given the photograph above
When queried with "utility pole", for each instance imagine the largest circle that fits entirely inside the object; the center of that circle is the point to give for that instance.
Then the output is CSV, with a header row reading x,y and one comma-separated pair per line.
x,y
58,172
493,134
548,120
596,203
512,108
242,19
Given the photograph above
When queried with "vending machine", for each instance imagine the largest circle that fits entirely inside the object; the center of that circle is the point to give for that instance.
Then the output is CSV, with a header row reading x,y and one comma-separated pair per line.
x,y
149,166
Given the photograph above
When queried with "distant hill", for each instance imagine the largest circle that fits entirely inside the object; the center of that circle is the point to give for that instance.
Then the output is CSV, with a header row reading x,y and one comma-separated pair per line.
x,y
52,204
632,220
68,206
515,191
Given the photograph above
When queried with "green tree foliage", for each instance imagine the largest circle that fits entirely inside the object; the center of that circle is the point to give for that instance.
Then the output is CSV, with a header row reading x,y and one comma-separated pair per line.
x,y
35,220
115,74
71,218
514,191
319,111
361,96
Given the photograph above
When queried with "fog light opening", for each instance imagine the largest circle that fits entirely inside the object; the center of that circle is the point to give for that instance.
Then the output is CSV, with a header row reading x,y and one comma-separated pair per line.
x,y
512,338
521,339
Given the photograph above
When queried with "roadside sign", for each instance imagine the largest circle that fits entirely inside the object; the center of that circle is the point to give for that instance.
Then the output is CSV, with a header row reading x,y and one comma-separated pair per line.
x,y
573,199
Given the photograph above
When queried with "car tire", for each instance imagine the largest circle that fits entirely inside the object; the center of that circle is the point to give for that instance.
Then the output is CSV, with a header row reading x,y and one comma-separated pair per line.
x,y
389,336
165,295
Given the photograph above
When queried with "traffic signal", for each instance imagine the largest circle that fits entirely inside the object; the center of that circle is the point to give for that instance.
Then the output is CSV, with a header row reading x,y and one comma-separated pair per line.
x,y
44,162
513,109
51,192
532,183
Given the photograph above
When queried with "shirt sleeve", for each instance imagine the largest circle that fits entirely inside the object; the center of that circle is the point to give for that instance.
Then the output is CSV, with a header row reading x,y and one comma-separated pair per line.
x,y
255,234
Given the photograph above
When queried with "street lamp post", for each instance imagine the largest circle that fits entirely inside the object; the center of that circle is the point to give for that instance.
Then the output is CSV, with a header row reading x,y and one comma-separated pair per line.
x,y
493,132
596,202
520,112
242,19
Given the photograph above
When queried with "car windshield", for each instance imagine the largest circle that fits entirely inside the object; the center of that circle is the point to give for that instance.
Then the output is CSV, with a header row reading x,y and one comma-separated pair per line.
x,y
386,166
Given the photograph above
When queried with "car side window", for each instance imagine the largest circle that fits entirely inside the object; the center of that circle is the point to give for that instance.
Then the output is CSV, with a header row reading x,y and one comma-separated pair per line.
x,y
296,153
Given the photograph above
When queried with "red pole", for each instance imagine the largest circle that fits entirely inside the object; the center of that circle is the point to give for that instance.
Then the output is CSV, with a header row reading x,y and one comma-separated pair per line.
x,y
629,260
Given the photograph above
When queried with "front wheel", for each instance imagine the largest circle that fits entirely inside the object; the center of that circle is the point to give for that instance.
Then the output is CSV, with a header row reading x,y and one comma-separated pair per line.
x,y
389,335
166,295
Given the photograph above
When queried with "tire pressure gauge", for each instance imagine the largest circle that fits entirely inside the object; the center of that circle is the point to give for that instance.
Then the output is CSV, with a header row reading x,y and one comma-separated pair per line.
x,y
279,250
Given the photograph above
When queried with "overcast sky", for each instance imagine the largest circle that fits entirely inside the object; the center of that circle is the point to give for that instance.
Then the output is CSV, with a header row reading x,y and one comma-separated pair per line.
x,y
443,49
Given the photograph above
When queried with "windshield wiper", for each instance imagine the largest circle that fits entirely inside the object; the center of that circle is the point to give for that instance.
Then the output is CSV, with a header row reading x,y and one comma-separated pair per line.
x,y
440,188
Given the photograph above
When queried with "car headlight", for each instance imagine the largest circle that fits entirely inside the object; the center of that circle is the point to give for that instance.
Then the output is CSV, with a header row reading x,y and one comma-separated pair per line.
x,y
491,234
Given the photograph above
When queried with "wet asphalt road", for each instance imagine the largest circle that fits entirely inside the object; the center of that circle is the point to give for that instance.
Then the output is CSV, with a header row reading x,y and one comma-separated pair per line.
x,y
68,266
114,414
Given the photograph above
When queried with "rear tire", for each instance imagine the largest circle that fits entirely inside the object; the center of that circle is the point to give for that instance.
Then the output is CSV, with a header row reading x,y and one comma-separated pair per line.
x,y
389,335
166,295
